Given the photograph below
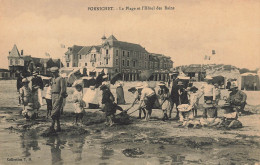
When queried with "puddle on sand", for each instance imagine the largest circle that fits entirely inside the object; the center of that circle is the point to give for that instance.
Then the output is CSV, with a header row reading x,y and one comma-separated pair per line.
x,y
91,149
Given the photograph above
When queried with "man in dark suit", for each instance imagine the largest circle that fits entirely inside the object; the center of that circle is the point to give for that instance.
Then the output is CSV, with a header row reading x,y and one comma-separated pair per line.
x,y
174,96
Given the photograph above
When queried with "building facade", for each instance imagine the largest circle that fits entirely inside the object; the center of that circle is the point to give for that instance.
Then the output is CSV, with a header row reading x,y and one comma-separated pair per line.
x,y
115,56
26,64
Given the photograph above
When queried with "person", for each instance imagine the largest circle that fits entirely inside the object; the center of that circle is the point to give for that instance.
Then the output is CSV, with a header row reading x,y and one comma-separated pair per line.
x,y
237,98
19,85
77,97
37,87
48,99
120,99
182,97
26,99
147,100
194,97
228,84
25,92
90,97
209,98
58,94
137,92
164,97
174,96
217,93
108,100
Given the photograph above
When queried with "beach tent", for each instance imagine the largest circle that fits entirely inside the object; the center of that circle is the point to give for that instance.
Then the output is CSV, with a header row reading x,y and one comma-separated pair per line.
x,y
250,81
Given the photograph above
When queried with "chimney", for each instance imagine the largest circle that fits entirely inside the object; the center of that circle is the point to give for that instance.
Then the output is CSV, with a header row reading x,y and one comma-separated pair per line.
x,y
21,52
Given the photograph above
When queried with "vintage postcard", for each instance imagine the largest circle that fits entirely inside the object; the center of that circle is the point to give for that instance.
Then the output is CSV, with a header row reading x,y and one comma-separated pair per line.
x,y
143,82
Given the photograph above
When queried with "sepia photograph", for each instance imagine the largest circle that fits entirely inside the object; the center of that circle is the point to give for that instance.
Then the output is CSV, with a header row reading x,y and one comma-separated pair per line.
x,y
129,82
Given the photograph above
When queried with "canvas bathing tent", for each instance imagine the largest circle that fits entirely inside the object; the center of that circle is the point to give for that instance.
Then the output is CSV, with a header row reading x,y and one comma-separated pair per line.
x,y
250,81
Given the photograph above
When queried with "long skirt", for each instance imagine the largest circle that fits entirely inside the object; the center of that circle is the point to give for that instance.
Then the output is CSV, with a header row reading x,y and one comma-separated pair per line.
x,y
120,95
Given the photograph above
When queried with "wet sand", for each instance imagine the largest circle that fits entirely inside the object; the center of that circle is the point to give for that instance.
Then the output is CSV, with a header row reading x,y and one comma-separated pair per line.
x,y
135,142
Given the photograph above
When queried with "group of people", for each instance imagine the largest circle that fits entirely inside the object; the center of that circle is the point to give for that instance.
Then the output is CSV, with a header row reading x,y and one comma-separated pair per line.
x,y
185,99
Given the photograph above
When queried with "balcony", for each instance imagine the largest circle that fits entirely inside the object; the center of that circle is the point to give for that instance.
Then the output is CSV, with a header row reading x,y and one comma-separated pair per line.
x,y
107,56
93,60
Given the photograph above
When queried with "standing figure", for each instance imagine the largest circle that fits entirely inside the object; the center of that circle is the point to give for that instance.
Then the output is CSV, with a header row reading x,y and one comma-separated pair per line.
x,y
182,97
174,96
217,93
19,85
79,104
237,98
110,106
120,98
209,99
194,97
228,84
48,100
164,97
37,85
147,100
57,96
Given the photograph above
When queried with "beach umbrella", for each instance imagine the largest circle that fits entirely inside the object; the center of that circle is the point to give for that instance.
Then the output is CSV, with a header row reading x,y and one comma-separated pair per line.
x,y
99,79
146,75
115,78
73,76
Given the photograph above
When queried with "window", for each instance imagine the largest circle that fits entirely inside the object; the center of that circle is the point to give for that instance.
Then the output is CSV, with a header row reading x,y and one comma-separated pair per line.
x,y
79,56
16,62
116,61
123,62
123,53
68,64
127,63
133,63
128,54
107,51
106,61
94,55
11,61
116,70
100,63
86,64
116,52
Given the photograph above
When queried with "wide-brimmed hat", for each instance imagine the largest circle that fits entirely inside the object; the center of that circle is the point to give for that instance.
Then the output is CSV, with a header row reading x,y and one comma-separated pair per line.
x,y
25,80
54,69
208,78
139,86
180,83
233,85
193,88
161,84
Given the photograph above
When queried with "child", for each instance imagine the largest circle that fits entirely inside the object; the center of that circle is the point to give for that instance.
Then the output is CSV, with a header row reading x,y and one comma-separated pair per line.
x,y
164,95
194,97
108,100
79,104
48,100
26,96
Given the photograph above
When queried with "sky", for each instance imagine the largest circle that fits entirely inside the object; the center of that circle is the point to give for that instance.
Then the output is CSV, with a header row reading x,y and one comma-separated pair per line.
x,y
189,32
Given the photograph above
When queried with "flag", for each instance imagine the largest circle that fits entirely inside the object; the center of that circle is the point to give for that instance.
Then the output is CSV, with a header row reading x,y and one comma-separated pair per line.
x,y
213,52
47,54
62,45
